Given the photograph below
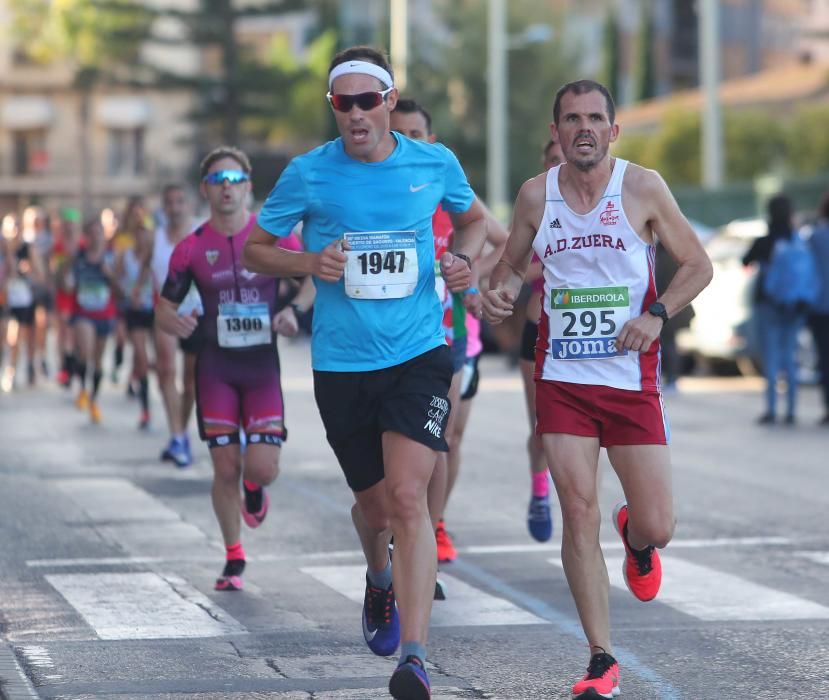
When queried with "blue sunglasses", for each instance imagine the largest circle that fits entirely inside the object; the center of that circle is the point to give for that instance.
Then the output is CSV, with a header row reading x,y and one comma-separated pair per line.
x,y
234,177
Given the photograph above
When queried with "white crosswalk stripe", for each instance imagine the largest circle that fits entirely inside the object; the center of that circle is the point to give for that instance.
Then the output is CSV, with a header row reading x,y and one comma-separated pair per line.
x,y
143,605
466,605
712,595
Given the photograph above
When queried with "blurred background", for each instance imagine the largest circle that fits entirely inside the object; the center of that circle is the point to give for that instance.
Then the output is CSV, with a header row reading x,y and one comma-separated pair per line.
x,y
104,100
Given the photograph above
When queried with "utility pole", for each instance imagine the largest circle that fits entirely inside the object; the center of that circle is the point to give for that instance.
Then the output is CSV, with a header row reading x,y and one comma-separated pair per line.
x,y
399,31
496,149
709,69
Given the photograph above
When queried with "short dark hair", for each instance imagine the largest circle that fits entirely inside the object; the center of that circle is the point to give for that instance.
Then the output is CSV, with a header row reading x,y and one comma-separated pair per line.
x,y
409,106
224,152
582,87
173,187
363,53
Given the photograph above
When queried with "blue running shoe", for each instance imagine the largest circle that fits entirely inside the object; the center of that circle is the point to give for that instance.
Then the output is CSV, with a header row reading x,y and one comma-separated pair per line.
x,y
410,681
540,518
178,451
381,625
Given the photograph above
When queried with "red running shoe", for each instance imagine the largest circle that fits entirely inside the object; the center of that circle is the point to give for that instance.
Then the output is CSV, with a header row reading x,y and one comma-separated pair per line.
x,y
446,549
601,679
642,568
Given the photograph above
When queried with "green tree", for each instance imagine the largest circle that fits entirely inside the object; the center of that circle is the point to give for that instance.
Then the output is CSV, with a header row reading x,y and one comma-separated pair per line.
x,y
448,76
645,77
755,144
808,140
611,54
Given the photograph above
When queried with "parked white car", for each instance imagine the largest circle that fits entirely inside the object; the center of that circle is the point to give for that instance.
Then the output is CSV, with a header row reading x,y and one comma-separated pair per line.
x,y
724,332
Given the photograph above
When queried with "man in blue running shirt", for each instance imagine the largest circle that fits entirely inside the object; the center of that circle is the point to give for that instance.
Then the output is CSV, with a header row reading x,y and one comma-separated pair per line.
x,y
381,365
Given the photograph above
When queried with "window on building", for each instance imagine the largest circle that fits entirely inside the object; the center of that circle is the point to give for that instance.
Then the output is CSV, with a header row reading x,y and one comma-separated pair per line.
x,y
125,154
29,155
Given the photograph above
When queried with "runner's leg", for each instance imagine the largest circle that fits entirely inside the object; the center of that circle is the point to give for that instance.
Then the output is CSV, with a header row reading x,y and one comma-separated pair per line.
x,y
574,467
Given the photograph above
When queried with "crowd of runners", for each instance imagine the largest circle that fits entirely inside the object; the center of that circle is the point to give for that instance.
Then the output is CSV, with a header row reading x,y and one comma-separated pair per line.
x,y
379,233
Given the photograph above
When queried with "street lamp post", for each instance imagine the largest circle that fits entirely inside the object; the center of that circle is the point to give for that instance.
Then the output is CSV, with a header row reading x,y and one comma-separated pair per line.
x,y
496,98
709,68
399,31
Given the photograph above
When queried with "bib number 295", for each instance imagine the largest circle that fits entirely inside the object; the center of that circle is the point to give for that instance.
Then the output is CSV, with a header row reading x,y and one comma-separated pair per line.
x,y
588,323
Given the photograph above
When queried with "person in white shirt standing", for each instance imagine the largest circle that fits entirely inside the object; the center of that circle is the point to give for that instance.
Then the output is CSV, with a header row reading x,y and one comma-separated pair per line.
x,y
594,221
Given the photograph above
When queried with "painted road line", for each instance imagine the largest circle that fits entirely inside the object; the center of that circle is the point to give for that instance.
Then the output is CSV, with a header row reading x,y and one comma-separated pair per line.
x,y
358,554
114,500
715,596
143,606
816,557
14,684
617,545
469,605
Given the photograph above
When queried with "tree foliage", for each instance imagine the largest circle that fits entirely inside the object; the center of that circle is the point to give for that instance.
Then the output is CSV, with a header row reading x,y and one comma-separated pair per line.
x,y
808,140
755,144
645,76
448,76
611,58
93,34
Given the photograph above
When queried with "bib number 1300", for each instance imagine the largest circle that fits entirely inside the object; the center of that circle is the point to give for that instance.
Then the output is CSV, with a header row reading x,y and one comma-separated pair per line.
x,y
236,324
374,263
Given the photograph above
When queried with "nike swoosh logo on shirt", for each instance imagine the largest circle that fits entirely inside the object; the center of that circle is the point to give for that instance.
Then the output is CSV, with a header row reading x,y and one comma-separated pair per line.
x,y
417,188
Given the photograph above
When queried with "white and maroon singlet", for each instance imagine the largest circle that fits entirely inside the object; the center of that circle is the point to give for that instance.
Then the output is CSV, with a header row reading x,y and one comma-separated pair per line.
x,y
598,274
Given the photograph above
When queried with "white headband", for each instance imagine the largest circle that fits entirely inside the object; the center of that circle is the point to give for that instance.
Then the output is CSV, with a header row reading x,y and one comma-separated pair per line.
x,y
363,67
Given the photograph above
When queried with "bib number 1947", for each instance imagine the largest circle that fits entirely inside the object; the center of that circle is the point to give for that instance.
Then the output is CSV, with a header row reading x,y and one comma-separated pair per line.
x,y
381,264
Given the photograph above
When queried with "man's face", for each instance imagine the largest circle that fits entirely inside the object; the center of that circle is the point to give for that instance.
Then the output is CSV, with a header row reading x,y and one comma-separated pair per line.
x,y
362,131
553,156
175,206
225,198
413,125
584,129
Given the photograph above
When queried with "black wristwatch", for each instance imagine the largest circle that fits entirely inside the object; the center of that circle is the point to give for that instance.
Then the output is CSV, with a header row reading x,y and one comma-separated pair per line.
x,y
658,309
296,308
465,258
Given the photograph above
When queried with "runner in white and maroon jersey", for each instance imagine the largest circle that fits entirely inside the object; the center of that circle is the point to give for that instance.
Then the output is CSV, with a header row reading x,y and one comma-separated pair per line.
x,y
593,222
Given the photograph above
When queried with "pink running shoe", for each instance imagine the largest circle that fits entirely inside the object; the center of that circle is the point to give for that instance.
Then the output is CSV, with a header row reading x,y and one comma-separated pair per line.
x,y
254,520
231,578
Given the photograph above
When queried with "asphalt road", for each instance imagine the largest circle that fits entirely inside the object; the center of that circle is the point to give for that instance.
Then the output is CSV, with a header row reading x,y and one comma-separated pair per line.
x,y
107,559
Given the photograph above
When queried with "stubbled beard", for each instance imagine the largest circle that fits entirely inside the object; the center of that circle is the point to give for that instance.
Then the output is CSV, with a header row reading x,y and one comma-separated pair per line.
x,y
588,165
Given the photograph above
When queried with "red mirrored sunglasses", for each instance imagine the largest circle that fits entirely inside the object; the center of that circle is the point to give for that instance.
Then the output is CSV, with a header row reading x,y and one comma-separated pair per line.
x,y
364,100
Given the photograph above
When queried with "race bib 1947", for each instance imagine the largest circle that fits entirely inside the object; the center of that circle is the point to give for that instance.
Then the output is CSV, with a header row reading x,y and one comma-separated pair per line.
x,y
381,265
584,323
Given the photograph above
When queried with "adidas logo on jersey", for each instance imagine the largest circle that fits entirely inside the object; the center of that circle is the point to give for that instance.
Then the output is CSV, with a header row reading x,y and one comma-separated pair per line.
x,y
555,224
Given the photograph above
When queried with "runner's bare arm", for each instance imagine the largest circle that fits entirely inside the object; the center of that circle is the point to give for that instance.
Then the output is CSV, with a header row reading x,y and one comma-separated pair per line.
x,y
169,321
508,275
304,298
468,239
496,238
694,270
261,254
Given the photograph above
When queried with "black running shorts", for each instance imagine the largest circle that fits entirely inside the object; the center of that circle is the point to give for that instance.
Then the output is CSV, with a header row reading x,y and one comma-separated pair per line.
x,y
358,407
139,318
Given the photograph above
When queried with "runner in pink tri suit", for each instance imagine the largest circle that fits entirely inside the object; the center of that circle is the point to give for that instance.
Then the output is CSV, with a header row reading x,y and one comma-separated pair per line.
x,y
237,369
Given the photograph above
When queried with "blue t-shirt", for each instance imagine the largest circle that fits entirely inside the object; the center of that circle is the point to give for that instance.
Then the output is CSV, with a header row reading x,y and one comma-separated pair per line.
x,y
333,194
